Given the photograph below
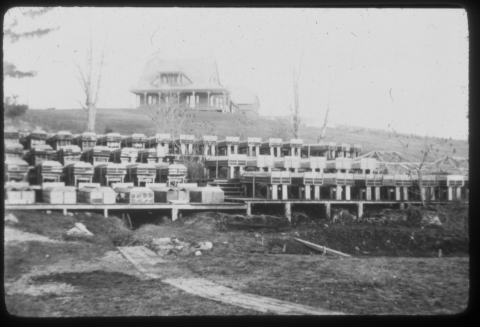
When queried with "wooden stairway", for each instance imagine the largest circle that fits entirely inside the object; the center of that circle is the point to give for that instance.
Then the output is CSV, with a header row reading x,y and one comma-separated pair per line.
x,y
232,187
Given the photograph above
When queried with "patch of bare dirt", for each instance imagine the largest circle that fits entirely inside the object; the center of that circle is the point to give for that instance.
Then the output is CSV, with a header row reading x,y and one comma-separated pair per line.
x,y
15,235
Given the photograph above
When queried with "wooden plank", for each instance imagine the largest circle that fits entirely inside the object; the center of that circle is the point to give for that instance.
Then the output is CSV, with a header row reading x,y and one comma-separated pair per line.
x,y
210,290
321,248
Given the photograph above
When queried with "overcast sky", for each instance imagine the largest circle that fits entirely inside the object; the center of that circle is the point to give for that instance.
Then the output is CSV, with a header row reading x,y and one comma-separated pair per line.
x,y
380,68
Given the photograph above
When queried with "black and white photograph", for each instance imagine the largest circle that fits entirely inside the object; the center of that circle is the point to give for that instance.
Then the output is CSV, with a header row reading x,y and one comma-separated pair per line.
x,y
236,161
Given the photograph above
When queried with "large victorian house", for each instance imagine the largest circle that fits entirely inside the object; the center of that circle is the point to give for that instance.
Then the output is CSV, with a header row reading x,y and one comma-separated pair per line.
x,y
188,83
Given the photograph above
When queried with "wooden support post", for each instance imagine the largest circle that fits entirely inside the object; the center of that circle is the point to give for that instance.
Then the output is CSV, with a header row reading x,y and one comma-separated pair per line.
x,y
105,213
229,151
402,206
216,169
64,211
274,192
308,192
432,193
369,194
250,150
397,194
288,211
174,214
405,193
327,210
347,193
459,193
253,188
279,152
257,151
272,153
377,193
235,149
316,190
284,191
360,210
450,194
212,149
231,171
249,208
338,193
190,148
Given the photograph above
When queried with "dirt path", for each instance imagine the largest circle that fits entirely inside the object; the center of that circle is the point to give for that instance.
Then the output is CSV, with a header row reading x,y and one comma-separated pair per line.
x,y
146,261
15,235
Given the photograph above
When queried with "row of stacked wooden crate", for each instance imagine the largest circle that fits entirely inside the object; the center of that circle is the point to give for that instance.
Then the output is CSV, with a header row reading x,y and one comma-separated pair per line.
x,y
105,174
39,145
360,179
126,193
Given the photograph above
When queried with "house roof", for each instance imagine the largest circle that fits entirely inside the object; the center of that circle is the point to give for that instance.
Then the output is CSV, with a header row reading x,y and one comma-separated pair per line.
x,y
201,72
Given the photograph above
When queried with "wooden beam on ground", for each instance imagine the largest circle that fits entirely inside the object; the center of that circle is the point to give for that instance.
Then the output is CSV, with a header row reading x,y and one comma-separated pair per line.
x,y
321,248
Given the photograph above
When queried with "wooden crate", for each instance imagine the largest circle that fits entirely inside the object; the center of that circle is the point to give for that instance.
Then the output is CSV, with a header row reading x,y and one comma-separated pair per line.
x,y
208,194
450,180
365,163
60,195
135,195
313,163
339,163
339,179
307,178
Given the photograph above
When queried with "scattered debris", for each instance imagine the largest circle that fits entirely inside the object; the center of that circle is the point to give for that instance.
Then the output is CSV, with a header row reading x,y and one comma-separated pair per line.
x,y
165,246
198,253
79,229
430,218
11,218
342,215
48,212
384,216
204,245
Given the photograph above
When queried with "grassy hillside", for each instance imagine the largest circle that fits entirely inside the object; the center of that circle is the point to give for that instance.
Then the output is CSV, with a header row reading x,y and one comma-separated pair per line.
x,y
128,121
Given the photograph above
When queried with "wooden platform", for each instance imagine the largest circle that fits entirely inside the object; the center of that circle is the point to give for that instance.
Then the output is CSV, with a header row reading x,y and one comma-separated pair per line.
x,y
121,206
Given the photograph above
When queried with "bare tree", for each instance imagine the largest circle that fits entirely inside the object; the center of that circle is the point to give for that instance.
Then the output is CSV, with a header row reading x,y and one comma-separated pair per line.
x,y
91,89
296,120
422,163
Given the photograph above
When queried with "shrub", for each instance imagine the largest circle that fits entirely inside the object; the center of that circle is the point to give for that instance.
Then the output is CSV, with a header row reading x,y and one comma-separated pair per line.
x,y
11,109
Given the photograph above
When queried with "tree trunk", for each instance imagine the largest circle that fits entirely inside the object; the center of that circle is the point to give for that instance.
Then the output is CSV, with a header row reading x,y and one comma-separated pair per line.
x,y
324,127
92,113
420,186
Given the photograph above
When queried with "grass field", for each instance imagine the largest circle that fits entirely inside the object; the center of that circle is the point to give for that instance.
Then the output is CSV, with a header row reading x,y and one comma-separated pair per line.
x,y
128,121
86,276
